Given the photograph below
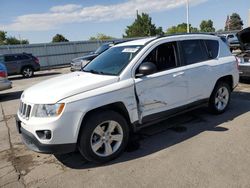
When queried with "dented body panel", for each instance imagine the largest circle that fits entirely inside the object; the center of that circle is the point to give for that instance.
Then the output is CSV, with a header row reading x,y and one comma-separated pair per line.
x,y
141,96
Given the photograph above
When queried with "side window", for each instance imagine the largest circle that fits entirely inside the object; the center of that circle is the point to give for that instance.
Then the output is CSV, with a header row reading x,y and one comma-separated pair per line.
x,y
213,48
163,56
22,57
9,58
194,51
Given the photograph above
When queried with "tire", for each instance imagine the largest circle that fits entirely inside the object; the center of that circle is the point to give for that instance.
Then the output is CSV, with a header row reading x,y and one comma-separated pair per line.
x,y
220,98
103,137
27,72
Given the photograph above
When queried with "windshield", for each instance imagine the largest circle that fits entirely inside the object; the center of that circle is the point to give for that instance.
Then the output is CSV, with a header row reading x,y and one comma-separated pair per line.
x,y
102,48
113,61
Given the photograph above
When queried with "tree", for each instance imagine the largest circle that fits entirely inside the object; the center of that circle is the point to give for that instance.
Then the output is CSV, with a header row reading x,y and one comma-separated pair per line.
x,y
181,28
59,38
207,26
14,40
141,27
235,22
4,40
101,36
2,37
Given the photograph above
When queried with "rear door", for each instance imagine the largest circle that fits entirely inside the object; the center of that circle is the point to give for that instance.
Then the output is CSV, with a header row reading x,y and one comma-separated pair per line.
x,y
197,56
22,61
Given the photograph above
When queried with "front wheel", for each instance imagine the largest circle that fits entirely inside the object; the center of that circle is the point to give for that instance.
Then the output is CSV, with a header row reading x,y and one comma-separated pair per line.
x,y
103,137
220,98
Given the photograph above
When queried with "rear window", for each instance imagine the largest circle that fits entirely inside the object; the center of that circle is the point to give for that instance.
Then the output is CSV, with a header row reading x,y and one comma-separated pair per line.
x,y
194,51
22,57
213,48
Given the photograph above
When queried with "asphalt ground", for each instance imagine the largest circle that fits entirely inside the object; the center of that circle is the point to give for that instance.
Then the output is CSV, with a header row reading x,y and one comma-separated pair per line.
x,y
195,149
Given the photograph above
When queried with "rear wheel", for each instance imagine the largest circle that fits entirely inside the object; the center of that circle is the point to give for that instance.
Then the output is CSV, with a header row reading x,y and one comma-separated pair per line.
x,y
220,98
103,137
27,72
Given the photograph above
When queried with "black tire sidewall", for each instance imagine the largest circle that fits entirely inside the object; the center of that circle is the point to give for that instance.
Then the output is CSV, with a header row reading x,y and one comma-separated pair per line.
x,y
212,105
27,68
88,128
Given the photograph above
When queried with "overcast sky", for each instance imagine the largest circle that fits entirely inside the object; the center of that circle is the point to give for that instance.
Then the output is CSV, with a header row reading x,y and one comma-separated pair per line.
x,y
39,20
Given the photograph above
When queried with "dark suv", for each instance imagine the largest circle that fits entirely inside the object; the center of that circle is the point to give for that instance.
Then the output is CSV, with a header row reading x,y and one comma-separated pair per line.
x,y
23,63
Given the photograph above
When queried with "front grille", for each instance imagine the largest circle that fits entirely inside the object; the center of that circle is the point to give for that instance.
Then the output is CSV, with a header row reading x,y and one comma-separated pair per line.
x,y
25,110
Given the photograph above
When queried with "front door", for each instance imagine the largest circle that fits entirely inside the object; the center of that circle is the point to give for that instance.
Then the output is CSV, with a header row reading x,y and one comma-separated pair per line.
x,y
164,90
11,63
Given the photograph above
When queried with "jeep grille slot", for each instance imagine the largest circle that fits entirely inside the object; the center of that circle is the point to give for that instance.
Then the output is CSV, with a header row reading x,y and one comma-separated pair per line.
x,y
25,110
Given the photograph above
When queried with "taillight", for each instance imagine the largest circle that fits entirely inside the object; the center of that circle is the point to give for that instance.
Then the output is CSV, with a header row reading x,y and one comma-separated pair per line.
x,y
3,74
36,60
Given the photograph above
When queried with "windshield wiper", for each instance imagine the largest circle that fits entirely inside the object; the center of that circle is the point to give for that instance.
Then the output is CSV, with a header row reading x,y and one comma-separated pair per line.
x,y
98,72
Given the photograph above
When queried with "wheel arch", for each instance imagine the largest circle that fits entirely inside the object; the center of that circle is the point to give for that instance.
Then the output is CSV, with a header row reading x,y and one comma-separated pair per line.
x,y
227,79
118,107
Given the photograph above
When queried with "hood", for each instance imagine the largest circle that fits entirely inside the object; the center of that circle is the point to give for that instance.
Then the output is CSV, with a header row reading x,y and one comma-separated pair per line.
x,y
86,57
58,88
244,39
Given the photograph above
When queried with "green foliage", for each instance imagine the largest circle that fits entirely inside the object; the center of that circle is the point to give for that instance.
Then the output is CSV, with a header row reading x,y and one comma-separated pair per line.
x,y
4,40
13,41
2,37
101,36
236,22
59,38
207,26
141,27
181,28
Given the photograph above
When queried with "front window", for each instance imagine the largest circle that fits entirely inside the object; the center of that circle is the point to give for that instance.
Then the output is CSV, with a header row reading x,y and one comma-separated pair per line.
x,y
113,61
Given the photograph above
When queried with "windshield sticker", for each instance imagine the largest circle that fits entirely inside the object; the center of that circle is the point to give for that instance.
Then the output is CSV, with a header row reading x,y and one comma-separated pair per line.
x,y
130,50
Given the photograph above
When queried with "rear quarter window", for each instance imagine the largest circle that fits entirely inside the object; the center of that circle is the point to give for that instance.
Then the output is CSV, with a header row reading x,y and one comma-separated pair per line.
x,y
212,48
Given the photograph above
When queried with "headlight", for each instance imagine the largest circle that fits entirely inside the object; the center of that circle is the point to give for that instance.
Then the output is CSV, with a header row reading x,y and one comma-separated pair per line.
x,y
48,110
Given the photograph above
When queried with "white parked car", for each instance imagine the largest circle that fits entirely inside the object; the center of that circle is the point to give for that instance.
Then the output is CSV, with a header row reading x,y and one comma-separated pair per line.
x,y
130,86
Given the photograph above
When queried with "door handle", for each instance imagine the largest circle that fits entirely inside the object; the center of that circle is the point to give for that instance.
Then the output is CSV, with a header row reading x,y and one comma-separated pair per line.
x,y
178,74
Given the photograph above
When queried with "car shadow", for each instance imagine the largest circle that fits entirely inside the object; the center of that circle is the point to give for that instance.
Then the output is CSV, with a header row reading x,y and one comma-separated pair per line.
x,y
168,133
36,75
10,96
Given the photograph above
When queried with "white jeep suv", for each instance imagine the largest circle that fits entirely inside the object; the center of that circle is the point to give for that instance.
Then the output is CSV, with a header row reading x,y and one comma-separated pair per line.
x,y
130,86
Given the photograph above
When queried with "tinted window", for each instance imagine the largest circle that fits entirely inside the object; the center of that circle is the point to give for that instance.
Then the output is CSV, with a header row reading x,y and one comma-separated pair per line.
x,y
9,58
194,51
163,56
213,48
22,57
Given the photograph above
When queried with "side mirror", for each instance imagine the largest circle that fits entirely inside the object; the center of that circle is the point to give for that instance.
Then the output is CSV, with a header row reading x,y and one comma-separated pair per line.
x,y
146,68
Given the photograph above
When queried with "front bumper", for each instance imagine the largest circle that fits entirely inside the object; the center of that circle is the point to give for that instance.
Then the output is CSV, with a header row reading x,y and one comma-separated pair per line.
x,y
244,71
34,144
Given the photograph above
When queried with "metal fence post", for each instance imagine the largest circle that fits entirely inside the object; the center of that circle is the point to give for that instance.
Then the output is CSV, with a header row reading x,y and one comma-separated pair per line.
x,y
47,57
